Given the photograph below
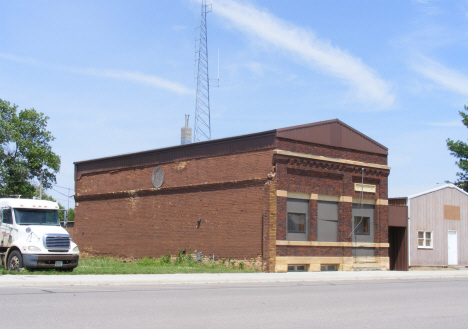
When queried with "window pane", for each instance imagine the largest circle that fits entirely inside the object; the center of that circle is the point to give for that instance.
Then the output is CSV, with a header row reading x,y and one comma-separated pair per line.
x,y
36,217
365,224
327,221
424,239
361,225
6,216
296,223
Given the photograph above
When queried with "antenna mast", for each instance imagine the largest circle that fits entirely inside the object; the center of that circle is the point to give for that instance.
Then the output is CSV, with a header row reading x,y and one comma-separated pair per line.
x,y
202,129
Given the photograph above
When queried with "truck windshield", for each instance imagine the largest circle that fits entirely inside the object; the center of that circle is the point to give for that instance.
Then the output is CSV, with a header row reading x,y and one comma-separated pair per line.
x,y
36,217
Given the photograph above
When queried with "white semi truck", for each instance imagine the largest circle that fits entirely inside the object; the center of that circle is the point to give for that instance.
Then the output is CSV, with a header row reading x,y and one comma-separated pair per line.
x,y
31,236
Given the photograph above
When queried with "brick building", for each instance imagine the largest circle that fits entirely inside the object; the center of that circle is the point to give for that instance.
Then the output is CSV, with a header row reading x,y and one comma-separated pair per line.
x,y
292,197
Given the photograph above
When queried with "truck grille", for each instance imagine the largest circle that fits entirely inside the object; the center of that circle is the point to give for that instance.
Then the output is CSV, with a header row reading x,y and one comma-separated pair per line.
x,y
57,241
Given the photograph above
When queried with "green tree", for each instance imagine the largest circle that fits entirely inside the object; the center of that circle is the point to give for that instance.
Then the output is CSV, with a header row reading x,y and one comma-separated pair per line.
x,y
459,150
71,215
25,151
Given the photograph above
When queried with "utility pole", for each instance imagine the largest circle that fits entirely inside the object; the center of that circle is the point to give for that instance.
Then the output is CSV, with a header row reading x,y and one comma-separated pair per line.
x,y
40,185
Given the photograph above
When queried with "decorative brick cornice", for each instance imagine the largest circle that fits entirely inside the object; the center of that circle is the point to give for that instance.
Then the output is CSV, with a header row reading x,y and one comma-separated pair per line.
x,y
340,164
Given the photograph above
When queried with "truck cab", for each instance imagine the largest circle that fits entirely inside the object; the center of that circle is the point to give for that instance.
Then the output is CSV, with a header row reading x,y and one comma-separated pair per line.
x,y
31,236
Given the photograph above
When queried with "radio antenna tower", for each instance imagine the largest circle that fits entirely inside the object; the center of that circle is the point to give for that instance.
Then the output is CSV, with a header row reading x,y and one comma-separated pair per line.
x,y
202,130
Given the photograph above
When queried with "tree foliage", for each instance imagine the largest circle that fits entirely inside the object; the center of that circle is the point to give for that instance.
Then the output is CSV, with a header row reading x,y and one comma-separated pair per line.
x,y
25,151
71,215
459,150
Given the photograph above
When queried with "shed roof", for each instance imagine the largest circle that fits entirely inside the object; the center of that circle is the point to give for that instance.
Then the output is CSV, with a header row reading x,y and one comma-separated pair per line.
x,y
330,133
417,190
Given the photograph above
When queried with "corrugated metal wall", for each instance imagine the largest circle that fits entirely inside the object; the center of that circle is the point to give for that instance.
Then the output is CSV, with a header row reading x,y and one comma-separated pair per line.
x,y
427,213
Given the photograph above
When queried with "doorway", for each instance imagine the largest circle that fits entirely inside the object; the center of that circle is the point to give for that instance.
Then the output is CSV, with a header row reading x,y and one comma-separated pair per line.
x,y
452,248
363,229
398,250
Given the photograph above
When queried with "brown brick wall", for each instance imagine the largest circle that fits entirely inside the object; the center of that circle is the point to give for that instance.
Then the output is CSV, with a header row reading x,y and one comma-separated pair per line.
x,y
281,219
231,224
381,224
269,227
345,221
120,213
321,177
226,192
234,167
334,179
313,220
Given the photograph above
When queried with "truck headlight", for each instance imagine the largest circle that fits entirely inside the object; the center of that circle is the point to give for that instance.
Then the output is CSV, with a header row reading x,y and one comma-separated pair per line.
x,y
32,248
76,249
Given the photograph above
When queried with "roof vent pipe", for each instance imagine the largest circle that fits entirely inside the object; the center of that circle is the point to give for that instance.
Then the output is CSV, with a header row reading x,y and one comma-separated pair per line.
x,y
186,135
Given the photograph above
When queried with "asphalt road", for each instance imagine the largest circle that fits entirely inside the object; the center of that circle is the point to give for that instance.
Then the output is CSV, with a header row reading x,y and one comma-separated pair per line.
x,y
429,303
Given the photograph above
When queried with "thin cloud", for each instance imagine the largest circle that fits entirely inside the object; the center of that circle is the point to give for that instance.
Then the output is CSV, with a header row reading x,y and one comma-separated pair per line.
x,y
136,77
178,28
130,76
444,77
17,59
314,51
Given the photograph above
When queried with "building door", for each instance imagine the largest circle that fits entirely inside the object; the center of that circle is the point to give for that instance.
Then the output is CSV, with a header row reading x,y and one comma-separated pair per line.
x,y
6,227
363,229
398,250
452,248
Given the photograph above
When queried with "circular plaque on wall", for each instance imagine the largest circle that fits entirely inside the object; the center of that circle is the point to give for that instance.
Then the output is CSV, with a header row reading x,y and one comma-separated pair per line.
x,y
157,177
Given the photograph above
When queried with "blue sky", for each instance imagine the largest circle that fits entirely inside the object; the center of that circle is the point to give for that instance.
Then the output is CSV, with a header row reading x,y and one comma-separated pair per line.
x,y
118,76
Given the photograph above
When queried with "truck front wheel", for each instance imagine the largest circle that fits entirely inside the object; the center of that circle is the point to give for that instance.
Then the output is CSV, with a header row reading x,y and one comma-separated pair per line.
x,y
15,261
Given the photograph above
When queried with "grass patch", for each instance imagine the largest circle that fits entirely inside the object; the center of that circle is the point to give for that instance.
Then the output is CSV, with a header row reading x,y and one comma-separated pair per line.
x,y
164,265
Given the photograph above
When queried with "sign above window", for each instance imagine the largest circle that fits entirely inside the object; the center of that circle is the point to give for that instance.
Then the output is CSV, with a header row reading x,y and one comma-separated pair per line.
x,y
368,188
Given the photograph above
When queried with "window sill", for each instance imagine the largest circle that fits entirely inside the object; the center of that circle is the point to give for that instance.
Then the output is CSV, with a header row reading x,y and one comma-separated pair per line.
x,y
330,244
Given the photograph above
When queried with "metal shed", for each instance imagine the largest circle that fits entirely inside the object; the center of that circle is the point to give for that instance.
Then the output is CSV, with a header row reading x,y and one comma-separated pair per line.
x,y
437,224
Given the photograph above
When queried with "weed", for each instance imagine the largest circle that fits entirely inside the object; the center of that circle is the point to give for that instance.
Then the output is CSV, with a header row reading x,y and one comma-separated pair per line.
x,y
180,258
166,259
189,259
147,261
146,265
